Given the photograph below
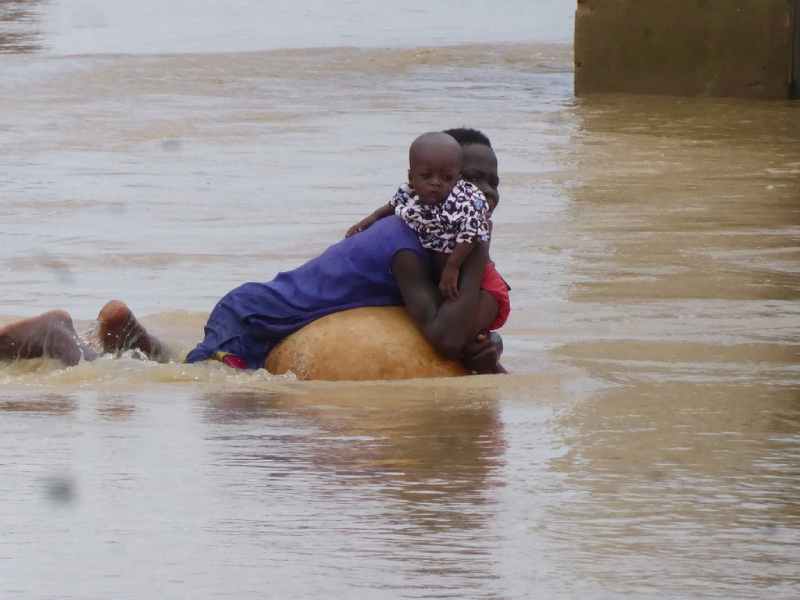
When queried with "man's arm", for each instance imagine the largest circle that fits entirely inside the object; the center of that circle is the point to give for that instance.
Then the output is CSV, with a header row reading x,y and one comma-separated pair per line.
x,y
449,327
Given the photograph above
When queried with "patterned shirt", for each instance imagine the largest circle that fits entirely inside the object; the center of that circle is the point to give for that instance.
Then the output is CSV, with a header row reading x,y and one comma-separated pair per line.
x,y
462,218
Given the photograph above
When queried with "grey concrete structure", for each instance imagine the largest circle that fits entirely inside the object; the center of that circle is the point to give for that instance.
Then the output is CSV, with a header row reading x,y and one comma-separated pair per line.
x,y
796,69
741,48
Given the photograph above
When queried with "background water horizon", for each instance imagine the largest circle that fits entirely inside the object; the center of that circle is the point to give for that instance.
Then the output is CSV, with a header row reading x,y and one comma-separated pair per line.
x,y
85,27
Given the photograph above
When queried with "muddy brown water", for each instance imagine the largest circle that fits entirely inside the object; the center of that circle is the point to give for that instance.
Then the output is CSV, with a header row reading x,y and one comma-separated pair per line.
x,y
647,444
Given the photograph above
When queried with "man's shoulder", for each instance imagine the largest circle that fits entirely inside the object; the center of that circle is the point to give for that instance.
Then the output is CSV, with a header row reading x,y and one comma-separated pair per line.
x,y
392,231
388,239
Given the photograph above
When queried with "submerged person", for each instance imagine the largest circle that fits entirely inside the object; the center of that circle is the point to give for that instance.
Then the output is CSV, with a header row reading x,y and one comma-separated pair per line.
x,y
384,266
449,214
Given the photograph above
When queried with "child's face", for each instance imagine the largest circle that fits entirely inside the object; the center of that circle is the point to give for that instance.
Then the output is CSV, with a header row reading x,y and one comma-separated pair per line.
x,y
433,174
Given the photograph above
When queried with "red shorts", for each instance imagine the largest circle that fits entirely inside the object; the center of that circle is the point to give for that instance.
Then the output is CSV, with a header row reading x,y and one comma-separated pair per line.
x,y
493,283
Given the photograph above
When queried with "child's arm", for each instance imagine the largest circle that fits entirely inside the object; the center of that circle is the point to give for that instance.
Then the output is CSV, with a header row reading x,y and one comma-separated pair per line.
x,y
384,211
475,226
448,284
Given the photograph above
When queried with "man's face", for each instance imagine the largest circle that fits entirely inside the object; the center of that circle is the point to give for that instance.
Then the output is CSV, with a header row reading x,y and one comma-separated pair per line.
x,y
480,169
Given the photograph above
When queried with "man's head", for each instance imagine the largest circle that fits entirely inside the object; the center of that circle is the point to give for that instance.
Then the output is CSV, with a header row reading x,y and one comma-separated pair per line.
x,y
435,161
479,162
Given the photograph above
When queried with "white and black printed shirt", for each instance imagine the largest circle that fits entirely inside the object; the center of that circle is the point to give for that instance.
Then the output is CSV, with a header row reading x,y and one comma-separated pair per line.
x,y
462,218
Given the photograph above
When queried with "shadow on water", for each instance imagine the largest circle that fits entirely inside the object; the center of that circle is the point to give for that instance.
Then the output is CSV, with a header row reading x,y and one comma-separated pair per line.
x,y
685,286
116,407
691,487
686,223
108,406
46,404
411,465
19,26
687,198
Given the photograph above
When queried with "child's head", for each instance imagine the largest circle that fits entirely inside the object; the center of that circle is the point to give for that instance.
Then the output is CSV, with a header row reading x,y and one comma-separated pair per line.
x,y
434,166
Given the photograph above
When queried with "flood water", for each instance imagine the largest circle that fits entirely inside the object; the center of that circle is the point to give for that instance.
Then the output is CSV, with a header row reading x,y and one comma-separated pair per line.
x,y
647,444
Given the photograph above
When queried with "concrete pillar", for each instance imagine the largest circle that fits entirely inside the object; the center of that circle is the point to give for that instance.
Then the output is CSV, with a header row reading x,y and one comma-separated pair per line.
x,y
796,70
742,48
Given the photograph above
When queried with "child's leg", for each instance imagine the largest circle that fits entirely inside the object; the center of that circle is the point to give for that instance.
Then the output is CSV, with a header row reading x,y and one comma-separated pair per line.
x,y
493,309
494,285
488,306
487,312
488,309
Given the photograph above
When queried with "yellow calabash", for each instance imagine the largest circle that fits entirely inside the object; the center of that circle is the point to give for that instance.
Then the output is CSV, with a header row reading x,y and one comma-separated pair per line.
x,y
360,344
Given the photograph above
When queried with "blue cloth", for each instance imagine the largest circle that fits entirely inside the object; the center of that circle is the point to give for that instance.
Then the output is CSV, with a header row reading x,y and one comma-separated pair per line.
x,y
357,271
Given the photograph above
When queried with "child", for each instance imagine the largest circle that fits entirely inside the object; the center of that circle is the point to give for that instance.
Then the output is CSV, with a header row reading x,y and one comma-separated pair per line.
x,y
449,215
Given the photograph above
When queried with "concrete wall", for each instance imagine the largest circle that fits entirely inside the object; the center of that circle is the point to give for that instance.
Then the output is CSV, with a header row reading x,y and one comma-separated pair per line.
x,y
796,83
742,48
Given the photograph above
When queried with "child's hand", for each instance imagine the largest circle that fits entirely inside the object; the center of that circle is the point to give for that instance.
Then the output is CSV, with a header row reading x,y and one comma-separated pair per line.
x,y
448,284
359,227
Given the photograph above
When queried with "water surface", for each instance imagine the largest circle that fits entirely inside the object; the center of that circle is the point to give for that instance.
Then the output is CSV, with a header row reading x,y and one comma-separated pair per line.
x,y
647,444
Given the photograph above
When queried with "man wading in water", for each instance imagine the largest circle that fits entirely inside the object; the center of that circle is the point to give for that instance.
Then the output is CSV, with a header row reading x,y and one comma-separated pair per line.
x,y
383,266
